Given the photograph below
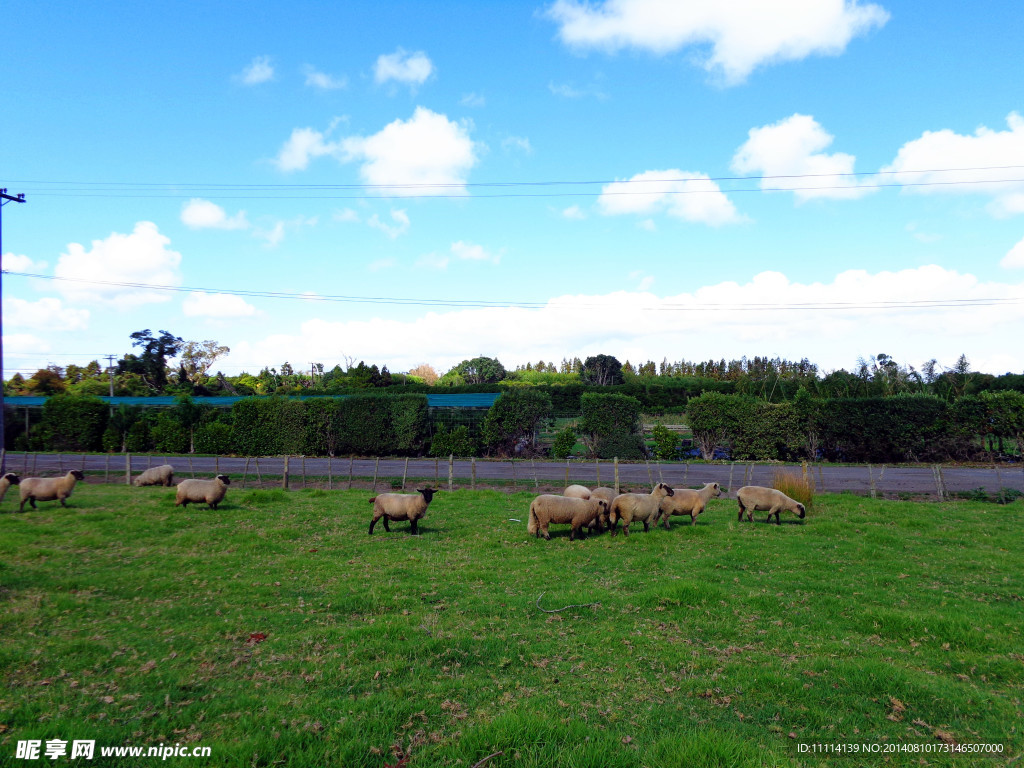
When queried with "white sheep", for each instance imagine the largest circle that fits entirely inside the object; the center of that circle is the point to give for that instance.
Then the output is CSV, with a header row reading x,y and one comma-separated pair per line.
x,y
401,506
162,475
196,491
608,494
643,507
6,482
577,492
35,489
756,498
563,510
685,501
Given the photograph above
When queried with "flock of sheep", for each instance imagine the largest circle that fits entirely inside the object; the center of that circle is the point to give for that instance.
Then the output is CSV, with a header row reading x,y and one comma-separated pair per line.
x,y
582,508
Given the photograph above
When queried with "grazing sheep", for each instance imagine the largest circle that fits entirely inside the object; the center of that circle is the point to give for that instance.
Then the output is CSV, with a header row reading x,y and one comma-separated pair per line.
x,y
401,506
637,506
162,475
577,492
211,491
756,498
6,482
563,510
687,502
608,494
35,489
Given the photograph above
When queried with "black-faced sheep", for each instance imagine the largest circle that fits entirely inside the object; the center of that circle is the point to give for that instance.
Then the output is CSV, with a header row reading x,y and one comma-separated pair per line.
x,y
162,475
686,501
564,510
642,507
197,491
6,482
401,506
35,489
756,498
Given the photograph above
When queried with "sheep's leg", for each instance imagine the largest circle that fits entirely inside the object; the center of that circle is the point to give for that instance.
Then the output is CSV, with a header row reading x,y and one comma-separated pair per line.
x,y
647,527
373,522
742,510
386,526
693,518
544,530
413,525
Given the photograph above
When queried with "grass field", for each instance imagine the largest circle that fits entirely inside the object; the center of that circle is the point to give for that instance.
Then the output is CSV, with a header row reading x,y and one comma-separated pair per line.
x,y
277,632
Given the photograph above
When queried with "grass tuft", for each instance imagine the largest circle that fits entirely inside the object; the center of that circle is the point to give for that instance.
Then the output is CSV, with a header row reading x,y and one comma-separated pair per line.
x,y
798,487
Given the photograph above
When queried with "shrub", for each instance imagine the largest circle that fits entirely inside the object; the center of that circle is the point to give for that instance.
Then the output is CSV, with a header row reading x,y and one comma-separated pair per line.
x,y
73,423
564,442
454,442
610,426
666,442
215,437
514,419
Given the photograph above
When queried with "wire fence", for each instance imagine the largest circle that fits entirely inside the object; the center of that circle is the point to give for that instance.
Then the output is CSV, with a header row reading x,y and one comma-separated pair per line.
x,y
1004,482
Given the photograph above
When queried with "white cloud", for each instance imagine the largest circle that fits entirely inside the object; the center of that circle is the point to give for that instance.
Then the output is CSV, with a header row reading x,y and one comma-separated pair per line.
x,y
276,234
323,81
216,305
204,214
141,257
47,314
518,143
433,261
728,319
473,100
1014,259
303,145
680,194
16,344
17,262
408,156
403,67
471,252
400,226
259,71
988,151
346,215
793,147
742,34
574,212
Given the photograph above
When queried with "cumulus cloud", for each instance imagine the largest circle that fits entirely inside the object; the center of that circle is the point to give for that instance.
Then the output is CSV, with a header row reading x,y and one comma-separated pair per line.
x,y
204,214
323,81
1014,259
302,146
742,34
143,256
399,227
47,314
517,143
216,305
259,71
793,147
988,151
728,319
18,262
681,194
403,67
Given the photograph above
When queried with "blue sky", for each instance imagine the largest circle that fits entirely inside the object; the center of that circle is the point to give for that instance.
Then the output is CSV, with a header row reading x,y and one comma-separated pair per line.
x,y
521,180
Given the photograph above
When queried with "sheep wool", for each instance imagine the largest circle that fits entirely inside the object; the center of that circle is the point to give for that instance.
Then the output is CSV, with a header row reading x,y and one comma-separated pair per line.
x,y
685,501
162,475
608,494
6,482
197,491
643,507
35,489
577,492
401,506
756,498
563,510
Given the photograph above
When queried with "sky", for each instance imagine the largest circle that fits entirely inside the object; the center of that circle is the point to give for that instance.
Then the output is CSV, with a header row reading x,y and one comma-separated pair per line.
x,y
427,182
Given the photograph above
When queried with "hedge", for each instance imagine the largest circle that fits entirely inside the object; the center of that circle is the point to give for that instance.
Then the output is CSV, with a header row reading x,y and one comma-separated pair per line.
x,y
610,426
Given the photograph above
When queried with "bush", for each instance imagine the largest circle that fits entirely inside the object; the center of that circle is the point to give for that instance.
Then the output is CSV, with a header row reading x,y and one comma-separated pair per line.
x,y
514,419
565,441
454,442
73,423
215,437
666,443
610,426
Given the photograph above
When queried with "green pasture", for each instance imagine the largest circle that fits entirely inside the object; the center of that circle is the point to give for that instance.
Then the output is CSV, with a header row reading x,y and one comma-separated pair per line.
x,y
277,632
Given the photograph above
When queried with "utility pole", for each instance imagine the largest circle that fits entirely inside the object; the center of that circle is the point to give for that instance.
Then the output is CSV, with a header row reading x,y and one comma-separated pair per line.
x,y
110,371
4,200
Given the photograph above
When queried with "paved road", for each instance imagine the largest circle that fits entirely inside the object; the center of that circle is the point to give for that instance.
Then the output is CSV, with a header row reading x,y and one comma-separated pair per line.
x,y
526,474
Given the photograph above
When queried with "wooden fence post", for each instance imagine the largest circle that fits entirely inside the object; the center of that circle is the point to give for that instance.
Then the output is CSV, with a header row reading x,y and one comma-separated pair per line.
x,y
472,482
451,470
376,469
871,482
284,475
127,469
405,472
351,459
616,475
245,472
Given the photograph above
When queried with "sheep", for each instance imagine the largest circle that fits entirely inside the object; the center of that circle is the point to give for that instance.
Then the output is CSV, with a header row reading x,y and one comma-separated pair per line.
x,y
577,492
637,506
401,506
35,489
608,494
563,510
211,491
162,475
754,498
685,501
6,482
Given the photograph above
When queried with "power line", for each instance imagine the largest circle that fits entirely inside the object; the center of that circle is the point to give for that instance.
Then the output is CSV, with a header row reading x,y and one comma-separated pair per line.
x,y
942,303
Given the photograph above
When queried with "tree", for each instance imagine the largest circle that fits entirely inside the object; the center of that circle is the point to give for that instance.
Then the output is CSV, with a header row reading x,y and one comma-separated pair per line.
x,y
197,357
425,372
602,370
481,370
155,352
